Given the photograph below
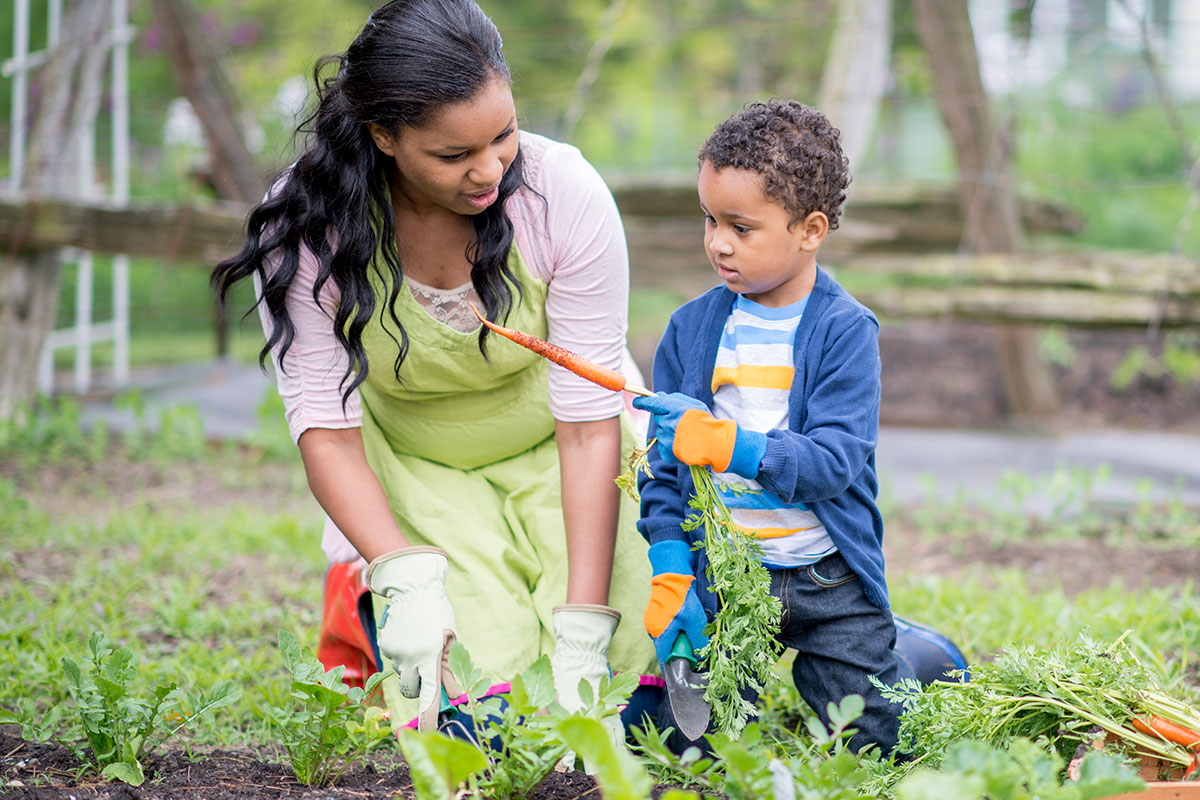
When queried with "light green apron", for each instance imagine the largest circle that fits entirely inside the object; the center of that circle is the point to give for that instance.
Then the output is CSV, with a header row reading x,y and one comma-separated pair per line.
x,y
465,450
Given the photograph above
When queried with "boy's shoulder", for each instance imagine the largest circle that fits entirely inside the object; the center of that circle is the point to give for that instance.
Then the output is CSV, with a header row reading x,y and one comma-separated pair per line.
x,y
694,311
836,303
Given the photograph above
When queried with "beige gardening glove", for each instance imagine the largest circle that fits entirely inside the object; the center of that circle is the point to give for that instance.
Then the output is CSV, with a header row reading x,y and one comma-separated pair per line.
x,y
419,626
581,637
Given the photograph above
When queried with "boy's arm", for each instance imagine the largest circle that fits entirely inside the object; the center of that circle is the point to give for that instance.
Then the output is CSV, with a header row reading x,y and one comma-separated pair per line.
x,y
663,505
842,427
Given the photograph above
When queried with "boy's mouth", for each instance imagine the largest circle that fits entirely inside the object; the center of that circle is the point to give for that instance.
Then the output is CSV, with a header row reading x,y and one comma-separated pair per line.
x,y
725,272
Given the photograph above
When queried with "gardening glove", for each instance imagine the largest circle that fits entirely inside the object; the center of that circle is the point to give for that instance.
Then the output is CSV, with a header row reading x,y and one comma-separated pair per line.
x,y
687,432
418,627
582,633
674,607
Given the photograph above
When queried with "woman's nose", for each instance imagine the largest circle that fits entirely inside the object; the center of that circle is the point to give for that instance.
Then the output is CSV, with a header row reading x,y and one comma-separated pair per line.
x,y
486,173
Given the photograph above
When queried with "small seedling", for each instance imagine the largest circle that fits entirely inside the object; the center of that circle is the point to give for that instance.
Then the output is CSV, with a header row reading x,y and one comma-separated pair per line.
x,y
326,726
119,728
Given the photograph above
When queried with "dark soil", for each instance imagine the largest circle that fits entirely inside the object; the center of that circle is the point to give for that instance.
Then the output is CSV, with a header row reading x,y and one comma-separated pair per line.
x,y
935,375
51,772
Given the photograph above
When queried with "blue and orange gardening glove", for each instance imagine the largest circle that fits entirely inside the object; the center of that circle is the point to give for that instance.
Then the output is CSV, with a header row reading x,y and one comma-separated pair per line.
x,y
674,607
687,432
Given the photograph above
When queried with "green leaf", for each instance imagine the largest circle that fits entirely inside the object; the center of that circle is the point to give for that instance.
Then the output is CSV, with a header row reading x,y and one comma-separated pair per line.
x,y
289,648
125,771
9,718
468,678
1101,775
929,785
438,764
619,775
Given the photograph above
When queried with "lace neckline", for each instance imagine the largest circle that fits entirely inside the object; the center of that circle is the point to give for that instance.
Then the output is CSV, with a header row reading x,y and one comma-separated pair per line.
x,y
450,307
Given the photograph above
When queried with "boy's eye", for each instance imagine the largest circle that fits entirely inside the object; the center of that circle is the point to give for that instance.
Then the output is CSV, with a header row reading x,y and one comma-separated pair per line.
x,y
741,229
709,220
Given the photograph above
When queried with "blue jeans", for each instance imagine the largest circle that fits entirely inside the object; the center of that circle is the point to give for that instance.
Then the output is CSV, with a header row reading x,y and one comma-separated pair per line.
x,y
840,640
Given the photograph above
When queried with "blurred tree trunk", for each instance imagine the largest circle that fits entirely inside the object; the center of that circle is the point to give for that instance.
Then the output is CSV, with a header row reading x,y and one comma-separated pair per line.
x,y
989,201
70,91
856,72
203,82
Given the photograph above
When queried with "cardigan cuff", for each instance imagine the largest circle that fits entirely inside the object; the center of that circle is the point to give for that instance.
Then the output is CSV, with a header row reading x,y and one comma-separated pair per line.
x,y
662,530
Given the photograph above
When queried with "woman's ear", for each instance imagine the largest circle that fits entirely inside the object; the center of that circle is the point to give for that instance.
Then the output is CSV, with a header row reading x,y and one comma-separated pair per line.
x,y
383,138
812,230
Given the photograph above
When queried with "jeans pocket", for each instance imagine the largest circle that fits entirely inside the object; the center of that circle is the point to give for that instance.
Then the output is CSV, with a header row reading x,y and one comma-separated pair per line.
x,y
831,571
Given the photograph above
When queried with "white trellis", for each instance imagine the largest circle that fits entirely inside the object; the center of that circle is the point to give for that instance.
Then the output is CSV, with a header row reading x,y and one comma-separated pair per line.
x,y
85,332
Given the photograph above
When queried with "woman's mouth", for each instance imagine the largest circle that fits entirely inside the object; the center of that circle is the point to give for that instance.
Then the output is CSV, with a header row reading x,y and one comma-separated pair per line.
x,y
484,199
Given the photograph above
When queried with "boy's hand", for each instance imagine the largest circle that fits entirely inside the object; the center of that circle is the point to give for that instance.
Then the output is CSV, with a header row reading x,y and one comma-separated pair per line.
x,y
687,432
674,606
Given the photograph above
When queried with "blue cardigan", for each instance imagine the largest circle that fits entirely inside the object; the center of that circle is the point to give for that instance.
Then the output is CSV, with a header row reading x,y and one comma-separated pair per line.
x,y
826,458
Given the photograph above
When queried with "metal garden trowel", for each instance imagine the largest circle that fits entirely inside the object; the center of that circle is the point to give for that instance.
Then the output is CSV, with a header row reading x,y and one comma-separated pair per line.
x,y
685,690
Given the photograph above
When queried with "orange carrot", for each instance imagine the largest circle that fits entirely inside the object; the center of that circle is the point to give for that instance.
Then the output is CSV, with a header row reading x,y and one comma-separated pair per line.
x,y
1164,729
589,370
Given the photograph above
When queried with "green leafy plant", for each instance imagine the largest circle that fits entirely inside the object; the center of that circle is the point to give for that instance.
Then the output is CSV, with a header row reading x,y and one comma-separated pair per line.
x,y
326,726
520,731
1024,771
748,767
120,729
439,765
1060,693
742,648
619,775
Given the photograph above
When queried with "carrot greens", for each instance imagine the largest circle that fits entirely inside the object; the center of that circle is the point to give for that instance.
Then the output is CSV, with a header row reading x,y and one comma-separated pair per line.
x,y
1061,694
742,648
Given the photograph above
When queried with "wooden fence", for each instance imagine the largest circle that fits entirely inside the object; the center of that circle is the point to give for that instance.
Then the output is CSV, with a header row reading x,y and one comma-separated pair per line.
x,y
897,248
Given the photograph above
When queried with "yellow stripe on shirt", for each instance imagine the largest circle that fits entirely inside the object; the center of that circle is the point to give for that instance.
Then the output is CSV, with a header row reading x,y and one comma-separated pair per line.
x,y
752,375
771,533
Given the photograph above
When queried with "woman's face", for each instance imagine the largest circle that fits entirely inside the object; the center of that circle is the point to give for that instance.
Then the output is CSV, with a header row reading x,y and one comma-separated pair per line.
x,y
456,160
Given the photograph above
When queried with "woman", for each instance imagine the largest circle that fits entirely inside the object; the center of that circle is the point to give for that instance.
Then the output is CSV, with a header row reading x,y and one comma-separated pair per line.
x,y
475,479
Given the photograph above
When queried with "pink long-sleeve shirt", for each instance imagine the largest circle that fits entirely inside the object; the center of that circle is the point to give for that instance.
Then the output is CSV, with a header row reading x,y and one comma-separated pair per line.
x,y
573,241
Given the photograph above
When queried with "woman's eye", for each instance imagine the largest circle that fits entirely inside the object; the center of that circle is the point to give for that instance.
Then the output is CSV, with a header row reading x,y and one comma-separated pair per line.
x,y
455,157
503,136
709,220
741,229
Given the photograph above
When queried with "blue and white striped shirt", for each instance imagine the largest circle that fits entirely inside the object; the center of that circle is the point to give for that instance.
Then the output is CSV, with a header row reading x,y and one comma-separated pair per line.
x,y
752,382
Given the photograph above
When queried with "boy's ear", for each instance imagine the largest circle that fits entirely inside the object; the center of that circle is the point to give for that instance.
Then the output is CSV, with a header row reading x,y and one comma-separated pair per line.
x,y
383,138
812,230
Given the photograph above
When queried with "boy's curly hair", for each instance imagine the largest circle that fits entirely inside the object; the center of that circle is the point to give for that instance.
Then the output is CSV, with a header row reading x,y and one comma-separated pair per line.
x,y
796,150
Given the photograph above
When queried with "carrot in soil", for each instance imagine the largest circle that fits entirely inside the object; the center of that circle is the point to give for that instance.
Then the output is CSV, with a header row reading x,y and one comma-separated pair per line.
x,y
1157,726
589,370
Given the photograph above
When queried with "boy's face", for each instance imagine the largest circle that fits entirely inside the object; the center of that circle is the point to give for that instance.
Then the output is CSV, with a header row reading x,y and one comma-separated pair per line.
x,y
749,241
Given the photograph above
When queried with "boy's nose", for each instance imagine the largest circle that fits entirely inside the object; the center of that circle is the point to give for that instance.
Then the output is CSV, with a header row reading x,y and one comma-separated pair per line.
x,y
720,244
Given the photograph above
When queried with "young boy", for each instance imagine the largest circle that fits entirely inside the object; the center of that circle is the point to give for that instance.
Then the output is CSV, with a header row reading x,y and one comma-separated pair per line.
x,y
772,380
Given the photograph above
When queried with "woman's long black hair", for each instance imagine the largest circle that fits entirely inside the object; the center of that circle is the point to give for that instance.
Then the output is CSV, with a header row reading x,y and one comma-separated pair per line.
x,y
410,59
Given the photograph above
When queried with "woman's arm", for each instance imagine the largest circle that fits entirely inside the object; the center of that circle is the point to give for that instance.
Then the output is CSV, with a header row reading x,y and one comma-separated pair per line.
x,y
346,487
589,455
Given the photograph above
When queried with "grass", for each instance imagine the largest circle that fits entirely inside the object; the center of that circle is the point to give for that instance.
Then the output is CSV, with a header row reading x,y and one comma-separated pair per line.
x,y
195,562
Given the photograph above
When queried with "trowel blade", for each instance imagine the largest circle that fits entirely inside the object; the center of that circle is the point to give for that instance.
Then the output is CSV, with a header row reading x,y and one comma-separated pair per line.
x,y
685,691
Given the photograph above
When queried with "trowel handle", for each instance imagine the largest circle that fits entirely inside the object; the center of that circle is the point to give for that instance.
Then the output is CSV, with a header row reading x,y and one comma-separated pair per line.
x,y
683,649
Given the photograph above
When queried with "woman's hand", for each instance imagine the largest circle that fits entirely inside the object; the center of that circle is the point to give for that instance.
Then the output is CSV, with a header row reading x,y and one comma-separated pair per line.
x,y
419,625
